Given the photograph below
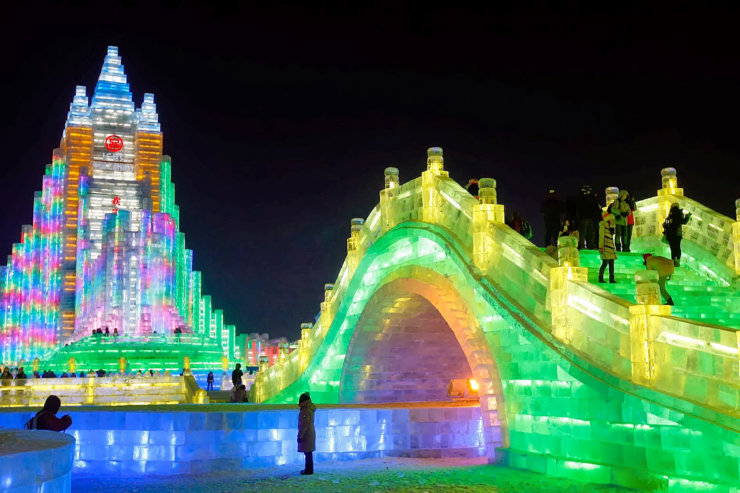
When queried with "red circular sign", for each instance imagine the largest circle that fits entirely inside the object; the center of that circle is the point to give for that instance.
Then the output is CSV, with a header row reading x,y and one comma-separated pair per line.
x,y
113,143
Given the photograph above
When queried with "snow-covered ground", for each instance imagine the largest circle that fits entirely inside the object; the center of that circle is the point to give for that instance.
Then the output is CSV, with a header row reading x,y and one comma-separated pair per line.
x,y
365,476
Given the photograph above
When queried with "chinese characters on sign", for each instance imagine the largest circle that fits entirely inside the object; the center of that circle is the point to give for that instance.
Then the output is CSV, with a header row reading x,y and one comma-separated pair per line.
x,y
116,203
113,143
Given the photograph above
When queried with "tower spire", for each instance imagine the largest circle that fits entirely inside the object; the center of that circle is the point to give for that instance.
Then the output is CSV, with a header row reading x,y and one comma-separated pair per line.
x,y
112,89
79,110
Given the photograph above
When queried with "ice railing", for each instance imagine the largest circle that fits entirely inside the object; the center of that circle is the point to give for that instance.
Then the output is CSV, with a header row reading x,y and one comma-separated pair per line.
x,y
715,238
118,390
640,343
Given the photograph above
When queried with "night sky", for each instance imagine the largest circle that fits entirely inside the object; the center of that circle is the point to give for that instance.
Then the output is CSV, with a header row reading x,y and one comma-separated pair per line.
x,y
281,121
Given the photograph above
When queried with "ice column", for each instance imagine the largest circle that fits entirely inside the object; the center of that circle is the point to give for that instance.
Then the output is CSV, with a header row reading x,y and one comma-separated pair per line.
x,y
431,200
487,211
612,193
667,195
644,326
354,253
568,270
327,308
388,199
304,346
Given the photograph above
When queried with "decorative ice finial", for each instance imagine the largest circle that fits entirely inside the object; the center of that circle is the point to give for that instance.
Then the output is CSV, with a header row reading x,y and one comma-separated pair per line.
x,y
148,120
79,110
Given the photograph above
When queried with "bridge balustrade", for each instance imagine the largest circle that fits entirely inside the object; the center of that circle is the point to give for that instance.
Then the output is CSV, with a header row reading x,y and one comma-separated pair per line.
x,y
598,326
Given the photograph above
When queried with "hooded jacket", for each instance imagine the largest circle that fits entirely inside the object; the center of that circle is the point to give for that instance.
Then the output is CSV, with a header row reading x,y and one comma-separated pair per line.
x,y
46,418
306,430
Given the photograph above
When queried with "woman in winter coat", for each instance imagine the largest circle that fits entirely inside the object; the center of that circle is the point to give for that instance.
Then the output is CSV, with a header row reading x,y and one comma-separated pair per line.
x,y
621,210
673,231
606,246
306,431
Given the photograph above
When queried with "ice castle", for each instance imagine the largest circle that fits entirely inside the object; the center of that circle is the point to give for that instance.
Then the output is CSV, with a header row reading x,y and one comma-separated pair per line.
x,y
105,248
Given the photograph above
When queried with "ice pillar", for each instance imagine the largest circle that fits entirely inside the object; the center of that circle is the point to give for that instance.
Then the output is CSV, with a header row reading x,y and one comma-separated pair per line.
x,y
388,199
644,326
487,211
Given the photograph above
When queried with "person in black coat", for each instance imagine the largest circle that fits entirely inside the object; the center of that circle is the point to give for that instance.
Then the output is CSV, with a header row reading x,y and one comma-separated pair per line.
x,y
552,208
673,231
589,216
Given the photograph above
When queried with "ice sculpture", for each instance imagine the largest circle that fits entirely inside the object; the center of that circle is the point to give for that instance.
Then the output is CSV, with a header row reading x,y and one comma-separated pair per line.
x,y
105,249
574,381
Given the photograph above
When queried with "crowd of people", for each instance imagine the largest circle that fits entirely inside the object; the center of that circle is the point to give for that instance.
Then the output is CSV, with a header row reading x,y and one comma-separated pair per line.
x,y
19,373
607,229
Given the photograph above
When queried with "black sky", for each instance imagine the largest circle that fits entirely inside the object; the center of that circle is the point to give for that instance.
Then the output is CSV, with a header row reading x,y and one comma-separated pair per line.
x,y
281,119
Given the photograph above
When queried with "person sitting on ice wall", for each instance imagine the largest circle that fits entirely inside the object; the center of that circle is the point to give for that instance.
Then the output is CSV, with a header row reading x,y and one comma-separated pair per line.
x,y
665,268
46,419
306,430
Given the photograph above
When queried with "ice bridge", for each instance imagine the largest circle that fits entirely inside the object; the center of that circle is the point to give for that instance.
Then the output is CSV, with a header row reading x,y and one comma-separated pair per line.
x,y
574,376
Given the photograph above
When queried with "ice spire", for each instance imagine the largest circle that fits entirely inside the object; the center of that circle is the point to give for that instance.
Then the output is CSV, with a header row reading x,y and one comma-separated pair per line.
x,y
112,90
148,120
79,110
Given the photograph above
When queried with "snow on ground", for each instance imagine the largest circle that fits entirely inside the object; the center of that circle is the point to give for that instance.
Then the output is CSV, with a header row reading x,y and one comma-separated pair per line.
x,y
364,476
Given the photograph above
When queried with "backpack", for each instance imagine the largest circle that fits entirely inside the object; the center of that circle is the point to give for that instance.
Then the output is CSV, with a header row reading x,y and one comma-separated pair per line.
x,y
32,424
667,225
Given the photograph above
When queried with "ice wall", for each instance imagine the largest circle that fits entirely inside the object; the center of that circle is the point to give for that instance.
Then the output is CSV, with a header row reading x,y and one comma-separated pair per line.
x,y
108,391
168,440
33,461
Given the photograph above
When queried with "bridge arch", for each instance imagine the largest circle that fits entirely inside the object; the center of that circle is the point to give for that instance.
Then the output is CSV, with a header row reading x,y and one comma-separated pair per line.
x,y
416,332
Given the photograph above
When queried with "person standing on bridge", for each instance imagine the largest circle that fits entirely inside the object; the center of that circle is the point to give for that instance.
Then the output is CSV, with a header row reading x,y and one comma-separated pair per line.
x,y
606,247
589,215
665,268
306,430
552,208
673,231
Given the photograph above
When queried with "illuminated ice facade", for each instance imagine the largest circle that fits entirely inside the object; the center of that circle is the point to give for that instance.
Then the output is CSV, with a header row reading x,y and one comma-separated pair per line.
x,y
105,249
574,380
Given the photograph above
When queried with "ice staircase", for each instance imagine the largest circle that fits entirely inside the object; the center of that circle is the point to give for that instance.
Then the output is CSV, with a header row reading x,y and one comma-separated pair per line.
x,y
696,296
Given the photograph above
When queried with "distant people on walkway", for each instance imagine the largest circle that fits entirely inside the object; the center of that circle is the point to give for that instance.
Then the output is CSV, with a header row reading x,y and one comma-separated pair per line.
x,y
239,393
209,381
6,377
673,231
665,268
236,375
589,216
521,225
115,331
21,375
46,419
472,187
552,209
607,249
306,431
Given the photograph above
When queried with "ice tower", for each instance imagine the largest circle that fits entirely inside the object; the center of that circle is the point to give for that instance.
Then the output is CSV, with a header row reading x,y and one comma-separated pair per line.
x,y
104,248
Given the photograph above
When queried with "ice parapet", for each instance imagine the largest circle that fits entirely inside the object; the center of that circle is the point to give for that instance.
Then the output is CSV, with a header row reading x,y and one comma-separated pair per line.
x,y
36,461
